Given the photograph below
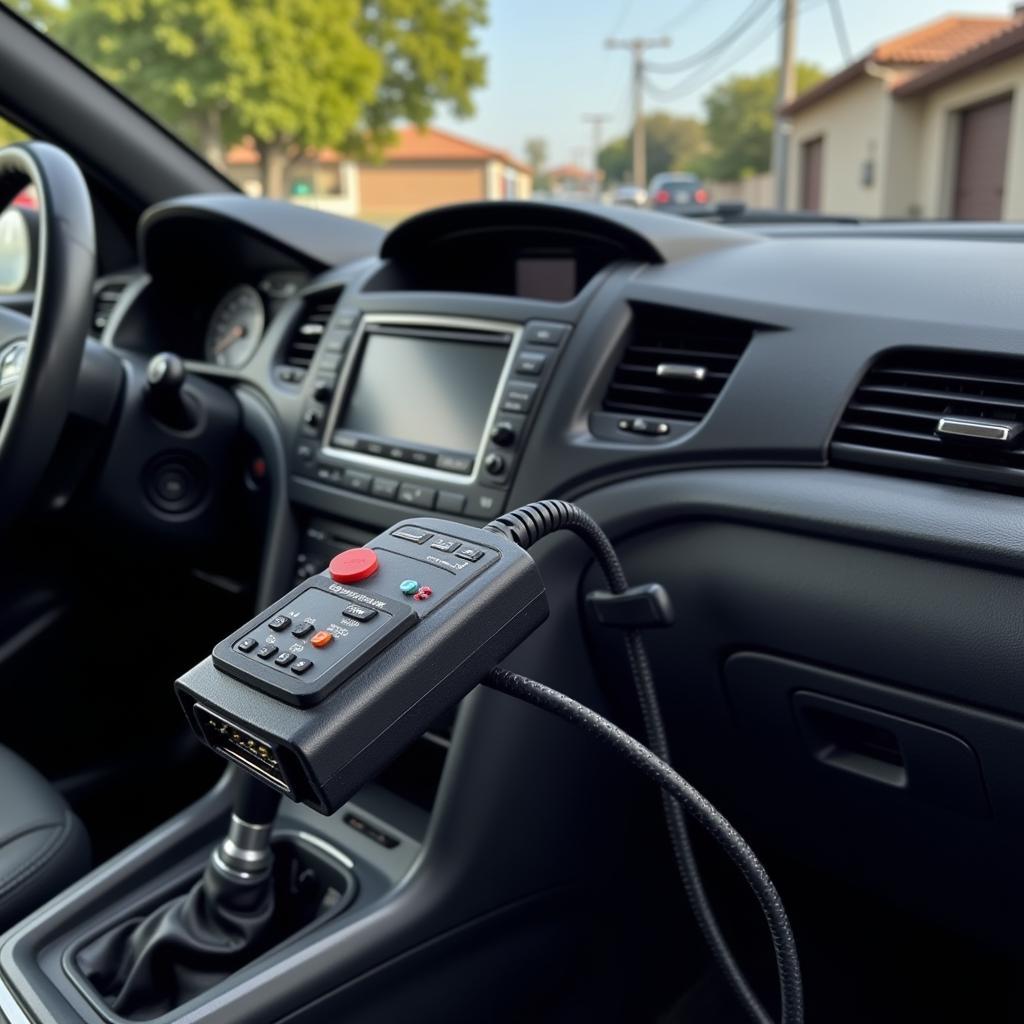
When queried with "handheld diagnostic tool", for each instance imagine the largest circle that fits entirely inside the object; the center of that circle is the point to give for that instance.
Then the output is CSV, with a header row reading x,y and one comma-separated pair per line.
x,y
324,687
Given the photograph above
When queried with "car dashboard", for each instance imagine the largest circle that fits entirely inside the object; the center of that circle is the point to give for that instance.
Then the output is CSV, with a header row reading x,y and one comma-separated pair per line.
x,y
754,416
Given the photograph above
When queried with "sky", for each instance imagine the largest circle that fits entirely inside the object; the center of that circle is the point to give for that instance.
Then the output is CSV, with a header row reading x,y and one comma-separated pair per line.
x,y
548,65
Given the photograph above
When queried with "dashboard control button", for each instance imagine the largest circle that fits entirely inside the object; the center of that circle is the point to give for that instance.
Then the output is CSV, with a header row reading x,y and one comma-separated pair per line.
x,y
540,332
494,464
503,434
267,651
321,638
302,629
359,612
641,425
302,665
355,480
531,364
408,587
417,494
246,645
455,463
279,623
384,487
470,554
312,418
451,502
518,396
445,544
329,362
413,533
353,565
486,504
323,392
284,659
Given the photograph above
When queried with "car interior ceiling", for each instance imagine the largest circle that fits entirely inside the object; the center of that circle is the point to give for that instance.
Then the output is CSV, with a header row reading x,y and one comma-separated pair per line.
x,y
785,426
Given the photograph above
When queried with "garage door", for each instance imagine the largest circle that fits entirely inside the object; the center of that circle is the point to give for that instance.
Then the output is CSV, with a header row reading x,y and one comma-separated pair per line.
x,y
981,161
810,174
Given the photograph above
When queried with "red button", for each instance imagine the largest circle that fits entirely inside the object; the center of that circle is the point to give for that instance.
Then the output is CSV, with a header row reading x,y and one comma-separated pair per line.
x,y
353,565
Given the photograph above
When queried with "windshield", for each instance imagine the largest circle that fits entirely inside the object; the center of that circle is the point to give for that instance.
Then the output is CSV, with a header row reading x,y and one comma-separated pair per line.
x,y
380,108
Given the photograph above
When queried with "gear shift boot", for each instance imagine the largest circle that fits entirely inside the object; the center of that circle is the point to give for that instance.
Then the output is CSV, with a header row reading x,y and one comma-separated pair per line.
x,y
164,955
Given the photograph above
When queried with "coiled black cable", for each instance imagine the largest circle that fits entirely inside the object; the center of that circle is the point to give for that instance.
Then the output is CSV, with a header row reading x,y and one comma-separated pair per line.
x,y
525,526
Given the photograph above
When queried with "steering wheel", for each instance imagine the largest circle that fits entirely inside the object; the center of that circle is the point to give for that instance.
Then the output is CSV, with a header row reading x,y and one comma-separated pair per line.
x,y
40,355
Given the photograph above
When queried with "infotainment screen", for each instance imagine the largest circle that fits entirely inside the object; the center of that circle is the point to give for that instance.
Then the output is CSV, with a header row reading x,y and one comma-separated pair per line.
x,y
429,392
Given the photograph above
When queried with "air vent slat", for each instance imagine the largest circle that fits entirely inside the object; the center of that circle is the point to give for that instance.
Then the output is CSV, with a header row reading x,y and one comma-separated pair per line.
x,y
307,331
897,408
662,334
104,303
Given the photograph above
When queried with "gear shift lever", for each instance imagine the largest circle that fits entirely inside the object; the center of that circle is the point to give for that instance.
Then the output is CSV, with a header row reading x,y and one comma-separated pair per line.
x,y
149,965
244,858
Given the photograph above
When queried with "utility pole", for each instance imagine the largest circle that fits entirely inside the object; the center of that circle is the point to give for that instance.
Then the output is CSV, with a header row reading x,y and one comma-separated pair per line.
x,y
786,93
637,47
596,121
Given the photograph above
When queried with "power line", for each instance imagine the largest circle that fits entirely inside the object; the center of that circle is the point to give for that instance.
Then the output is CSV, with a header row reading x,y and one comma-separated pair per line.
x,y
679,18
627,6
839,24
701,76
753,11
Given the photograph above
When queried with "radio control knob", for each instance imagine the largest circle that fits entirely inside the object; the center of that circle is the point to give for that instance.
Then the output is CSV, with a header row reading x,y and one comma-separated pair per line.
x,y
503,434
494,464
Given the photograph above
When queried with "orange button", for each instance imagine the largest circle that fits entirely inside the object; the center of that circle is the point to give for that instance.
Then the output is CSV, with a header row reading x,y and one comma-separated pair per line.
x,y
321,638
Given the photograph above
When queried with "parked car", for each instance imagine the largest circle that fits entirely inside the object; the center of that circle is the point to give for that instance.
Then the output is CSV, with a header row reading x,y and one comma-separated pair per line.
x,y
676,192
629,195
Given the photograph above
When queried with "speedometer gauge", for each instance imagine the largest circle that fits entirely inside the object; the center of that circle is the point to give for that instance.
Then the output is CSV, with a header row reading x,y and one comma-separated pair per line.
x,y
236,327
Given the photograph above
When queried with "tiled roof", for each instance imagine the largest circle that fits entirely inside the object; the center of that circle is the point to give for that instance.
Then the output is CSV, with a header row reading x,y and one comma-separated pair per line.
x,y
411,144
939,40
923,49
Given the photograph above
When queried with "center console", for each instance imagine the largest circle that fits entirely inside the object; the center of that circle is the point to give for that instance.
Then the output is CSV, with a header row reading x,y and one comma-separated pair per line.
x,y
422,411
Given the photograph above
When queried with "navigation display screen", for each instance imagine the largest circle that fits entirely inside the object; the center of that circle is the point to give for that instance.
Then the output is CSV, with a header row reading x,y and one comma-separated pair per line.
x,y
429,392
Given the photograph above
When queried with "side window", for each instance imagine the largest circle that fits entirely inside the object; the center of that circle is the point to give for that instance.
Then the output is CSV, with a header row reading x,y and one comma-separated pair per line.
x,y
11,133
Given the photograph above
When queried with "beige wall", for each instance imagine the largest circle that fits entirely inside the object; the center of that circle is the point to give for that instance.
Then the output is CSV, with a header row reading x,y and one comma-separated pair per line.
x,y
852,122
757,191
936,169
410,185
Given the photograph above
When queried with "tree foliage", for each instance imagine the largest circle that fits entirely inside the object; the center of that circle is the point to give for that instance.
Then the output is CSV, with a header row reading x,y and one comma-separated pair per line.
x,y
290,74
740,116
673,144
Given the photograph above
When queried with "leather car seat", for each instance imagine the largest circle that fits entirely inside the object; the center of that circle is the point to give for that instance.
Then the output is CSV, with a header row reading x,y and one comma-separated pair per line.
x,y
43,846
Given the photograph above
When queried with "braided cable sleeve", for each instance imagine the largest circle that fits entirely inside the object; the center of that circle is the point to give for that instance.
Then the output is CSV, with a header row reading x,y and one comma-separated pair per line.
x,y
525,526
682,793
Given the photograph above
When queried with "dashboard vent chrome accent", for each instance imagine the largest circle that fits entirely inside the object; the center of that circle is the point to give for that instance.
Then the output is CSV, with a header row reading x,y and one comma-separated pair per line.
x,y
942,413
308,329
103,302
676,362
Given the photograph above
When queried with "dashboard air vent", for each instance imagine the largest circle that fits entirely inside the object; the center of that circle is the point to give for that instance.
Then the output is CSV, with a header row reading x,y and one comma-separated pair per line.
x,y
950,412
676,362
103,304
307,331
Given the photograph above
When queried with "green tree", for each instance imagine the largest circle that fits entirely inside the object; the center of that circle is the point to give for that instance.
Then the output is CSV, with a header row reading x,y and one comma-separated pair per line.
x,y
672,144
9,134
290,74
740,117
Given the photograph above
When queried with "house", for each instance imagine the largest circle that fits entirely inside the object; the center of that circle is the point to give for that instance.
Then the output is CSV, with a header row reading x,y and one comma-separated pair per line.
x,y
928,124
571,180
422,168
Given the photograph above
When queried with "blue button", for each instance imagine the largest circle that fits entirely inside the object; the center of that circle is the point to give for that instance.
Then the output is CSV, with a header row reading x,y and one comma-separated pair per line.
x,y
408,586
